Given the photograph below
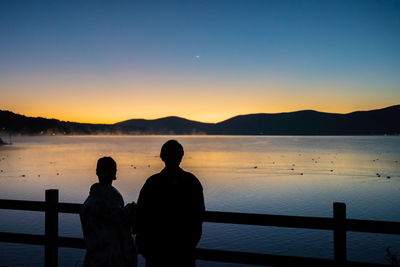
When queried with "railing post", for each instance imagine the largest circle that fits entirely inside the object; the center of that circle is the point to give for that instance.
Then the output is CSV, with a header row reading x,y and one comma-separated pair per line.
x,y
51,229
339,235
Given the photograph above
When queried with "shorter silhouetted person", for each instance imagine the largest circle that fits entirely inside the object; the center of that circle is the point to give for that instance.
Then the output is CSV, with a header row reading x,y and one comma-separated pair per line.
x,y
170,213
107,223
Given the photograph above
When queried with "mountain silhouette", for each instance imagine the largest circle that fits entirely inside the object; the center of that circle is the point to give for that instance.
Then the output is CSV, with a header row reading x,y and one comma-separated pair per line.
x,y
305,122
310,122
165,125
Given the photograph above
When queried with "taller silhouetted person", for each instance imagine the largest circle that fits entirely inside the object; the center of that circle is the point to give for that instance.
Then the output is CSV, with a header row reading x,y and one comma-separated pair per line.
x,y
107,223
170,213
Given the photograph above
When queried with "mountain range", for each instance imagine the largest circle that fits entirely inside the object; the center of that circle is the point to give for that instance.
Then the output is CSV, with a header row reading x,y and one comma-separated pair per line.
x,y
305,122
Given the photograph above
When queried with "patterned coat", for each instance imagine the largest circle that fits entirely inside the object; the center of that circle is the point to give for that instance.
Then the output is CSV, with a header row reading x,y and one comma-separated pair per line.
x,y
107,228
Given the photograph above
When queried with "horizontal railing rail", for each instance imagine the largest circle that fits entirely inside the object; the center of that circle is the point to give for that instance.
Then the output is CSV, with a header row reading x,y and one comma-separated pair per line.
x,y
320,223
338,224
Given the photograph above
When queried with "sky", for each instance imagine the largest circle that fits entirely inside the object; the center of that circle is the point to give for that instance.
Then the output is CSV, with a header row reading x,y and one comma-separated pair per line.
x,y
109,61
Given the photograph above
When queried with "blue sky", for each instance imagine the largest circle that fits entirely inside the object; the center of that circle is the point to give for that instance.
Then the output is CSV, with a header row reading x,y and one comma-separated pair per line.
x,y
212,59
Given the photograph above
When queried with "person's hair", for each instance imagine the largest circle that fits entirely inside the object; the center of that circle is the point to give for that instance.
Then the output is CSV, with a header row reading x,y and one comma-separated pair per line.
x,y
107,164
171,150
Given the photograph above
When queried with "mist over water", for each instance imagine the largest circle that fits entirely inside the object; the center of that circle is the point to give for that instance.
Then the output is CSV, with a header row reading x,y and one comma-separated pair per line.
x,y
288,175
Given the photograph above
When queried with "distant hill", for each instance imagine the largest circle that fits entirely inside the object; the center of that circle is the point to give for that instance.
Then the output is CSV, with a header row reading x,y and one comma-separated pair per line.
x,y
309,122
306,122
167,125
19,124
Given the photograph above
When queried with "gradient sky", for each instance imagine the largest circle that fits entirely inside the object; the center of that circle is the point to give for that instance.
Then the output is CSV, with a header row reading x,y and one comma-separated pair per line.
x,y
108,61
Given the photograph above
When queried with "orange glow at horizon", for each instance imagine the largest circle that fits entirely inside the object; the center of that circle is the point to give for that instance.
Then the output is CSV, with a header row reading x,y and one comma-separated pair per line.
x,y
214,114
114,101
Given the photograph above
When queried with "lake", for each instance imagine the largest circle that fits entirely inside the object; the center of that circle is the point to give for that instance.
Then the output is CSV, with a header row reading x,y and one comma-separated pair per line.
x,y
285,175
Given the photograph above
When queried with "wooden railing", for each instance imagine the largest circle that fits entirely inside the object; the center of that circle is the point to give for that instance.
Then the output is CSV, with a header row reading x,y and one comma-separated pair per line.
x,y
339,224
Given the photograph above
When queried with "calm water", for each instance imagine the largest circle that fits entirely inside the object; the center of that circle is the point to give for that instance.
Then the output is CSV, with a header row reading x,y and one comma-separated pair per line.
x,y
271,175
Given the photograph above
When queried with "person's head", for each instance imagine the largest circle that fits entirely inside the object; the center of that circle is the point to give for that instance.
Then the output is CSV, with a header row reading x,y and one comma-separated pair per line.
x,y
106,170
172,153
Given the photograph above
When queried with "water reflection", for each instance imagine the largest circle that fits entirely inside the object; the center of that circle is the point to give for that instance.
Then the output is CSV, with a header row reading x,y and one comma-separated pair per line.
x,y
273,175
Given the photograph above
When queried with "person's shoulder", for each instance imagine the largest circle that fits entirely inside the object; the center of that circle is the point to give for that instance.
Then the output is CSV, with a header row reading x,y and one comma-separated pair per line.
x,y
189,175
91,201
191,178
154,179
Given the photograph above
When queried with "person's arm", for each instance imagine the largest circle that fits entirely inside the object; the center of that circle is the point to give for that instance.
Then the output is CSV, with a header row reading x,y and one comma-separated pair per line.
x,y
131,211
113,214
140,220
199,214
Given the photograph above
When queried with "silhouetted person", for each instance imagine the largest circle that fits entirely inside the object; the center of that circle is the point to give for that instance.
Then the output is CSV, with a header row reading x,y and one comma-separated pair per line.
x,y
106,223
170,213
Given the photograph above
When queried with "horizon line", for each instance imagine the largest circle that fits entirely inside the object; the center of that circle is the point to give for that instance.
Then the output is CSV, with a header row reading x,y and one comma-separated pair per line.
x,y
174,116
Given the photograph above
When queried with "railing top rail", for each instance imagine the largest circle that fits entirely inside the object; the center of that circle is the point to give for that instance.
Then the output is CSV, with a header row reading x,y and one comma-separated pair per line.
x,y
320,223
27,205
270,220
